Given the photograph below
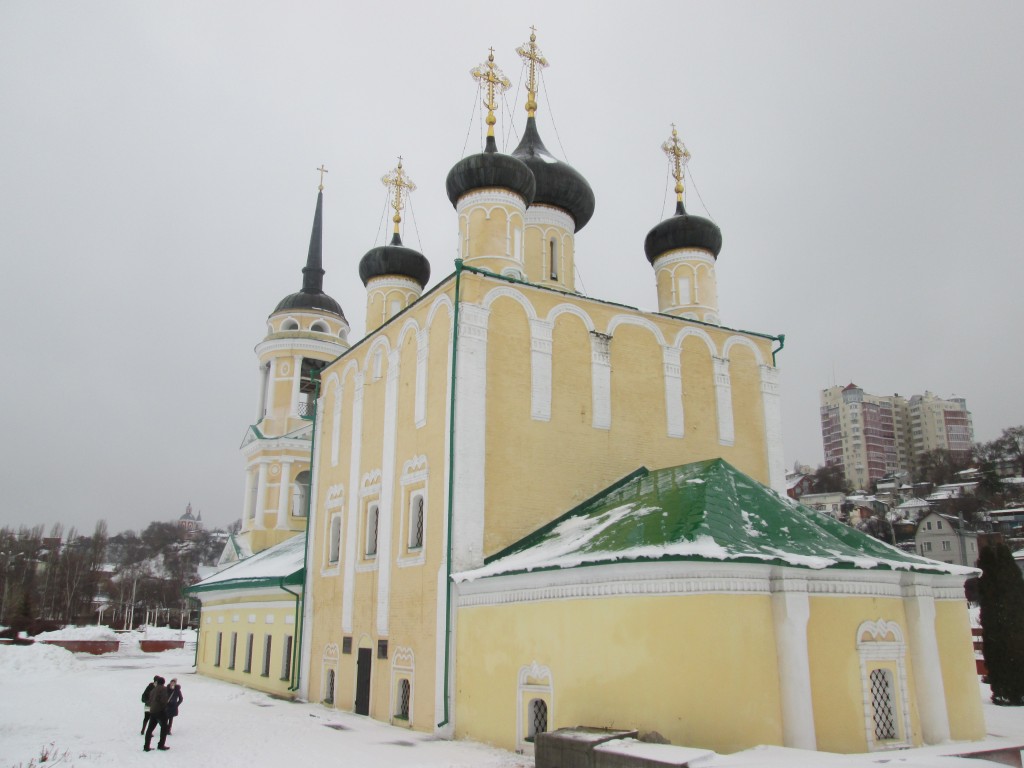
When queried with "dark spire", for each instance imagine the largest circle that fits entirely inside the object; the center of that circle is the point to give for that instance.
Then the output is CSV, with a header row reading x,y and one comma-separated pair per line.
x,y
313,272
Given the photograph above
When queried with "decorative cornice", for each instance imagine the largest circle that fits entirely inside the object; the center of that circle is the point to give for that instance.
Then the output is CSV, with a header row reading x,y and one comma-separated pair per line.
x,y
540,215
681,255
276,346
490,196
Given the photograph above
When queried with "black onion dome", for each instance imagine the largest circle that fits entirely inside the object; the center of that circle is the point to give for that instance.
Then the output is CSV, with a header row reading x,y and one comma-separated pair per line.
x,y
394,259
558,184
682,231
312,295
490,169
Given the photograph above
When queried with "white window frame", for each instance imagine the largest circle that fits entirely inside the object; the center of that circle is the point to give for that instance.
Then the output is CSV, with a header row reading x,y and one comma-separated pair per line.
x,y
880,645
534,682
413,481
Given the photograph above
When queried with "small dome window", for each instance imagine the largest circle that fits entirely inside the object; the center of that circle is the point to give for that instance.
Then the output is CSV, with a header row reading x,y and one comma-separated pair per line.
x,y
289,325
320,327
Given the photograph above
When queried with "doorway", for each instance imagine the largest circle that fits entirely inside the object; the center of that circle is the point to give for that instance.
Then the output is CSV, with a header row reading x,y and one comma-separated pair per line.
x,y
363,661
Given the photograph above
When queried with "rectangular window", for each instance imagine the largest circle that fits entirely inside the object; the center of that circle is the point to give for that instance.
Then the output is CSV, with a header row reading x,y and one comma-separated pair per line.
x,y
938,524
266,656
372,523
382,649
927,546
416,523
554,258
216,657
248,653
946,546
684,290
232,650
346,645
335,552
286,659
883,704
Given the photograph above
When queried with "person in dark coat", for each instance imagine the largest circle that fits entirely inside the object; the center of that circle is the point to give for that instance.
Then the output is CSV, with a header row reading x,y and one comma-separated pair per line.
x,y
173,702
145,704
158,698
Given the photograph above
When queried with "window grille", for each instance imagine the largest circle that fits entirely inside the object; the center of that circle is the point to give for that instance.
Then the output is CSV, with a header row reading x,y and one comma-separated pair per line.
x,y
329,694
404,690
538,718
416,527
882,704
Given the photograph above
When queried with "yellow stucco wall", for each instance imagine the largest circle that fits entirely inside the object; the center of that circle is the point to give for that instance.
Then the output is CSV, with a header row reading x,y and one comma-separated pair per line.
x,y
959,675
668,664
261,616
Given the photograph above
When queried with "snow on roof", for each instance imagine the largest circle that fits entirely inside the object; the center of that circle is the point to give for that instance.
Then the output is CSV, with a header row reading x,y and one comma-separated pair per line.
x,y
284,561
913,503
707,510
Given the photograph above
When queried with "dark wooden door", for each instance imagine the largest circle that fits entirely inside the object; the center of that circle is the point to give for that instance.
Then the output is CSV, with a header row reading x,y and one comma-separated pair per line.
x,y
363,662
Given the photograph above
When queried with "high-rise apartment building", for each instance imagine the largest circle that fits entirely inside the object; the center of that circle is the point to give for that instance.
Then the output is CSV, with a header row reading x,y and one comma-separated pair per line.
x,y
871,436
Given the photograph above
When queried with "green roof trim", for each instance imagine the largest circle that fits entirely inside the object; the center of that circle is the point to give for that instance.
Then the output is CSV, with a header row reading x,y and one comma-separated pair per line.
x,y
279,565
705,511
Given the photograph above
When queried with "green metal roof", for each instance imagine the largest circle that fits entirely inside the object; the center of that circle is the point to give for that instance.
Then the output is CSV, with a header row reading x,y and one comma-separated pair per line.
x,y
280,564
705,511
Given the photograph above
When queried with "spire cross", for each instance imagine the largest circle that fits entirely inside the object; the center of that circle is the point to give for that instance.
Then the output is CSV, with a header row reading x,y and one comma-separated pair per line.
x,y
530,53
490,75
679,156
322,172
396,179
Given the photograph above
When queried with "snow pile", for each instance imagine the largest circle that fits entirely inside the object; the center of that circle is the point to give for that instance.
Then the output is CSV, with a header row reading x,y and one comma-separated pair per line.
x,y
165,633
40,660
79,633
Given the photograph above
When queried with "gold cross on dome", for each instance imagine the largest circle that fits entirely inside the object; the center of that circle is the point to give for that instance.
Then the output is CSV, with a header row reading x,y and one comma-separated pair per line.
x,y
494,79
396,179
531,54
322,172
678,156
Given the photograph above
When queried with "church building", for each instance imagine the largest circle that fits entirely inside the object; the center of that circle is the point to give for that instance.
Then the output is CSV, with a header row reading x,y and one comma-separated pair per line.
x,y
529,508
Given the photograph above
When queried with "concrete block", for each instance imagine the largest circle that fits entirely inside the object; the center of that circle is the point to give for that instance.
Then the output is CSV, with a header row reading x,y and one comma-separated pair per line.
x,y
573,747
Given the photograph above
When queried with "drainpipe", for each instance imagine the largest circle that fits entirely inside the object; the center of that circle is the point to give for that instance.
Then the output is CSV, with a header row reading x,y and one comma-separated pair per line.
x,y
451,501
199,632
294,682
301,597
781,338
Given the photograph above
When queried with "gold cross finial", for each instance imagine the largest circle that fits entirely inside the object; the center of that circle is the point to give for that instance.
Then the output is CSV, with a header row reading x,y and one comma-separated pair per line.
x,y
494,79
322,172
531,54
678,156
397,180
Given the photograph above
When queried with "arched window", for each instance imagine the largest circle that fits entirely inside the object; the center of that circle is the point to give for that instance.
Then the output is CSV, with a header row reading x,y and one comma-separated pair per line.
x,y
402,704
329,687
553,250
416,520
300,494
319,327
289,325
538,718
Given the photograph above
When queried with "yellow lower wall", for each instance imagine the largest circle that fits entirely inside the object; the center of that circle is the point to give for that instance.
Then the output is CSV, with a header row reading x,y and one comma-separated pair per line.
x,y
242,618
959,673
668,664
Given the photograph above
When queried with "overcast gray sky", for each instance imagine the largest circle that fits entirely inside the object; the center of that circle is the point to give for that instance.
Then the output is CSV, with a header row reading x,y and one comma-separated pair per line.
x,y
157,187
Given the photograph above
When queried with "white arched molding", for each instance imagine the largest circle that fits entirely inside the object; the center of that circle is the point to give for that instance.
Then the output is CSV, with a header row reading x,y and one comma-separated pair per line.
x,y
403,667
329,664
601,379
880,646
723,399
470,437
534,682
771,400
387,492
790,611
674,425
352,526
334,515
540,369
413,482
919,605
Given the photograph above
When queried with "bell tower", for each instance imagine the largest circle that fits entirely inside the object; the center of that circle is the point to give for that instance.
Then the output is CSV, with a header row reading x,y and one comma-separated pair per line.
x,y
305,331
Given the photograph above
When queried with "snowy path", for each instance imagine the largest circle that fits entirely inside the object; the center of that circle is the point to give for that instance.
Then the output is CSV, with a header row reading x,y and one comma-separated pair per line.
x,y
90,707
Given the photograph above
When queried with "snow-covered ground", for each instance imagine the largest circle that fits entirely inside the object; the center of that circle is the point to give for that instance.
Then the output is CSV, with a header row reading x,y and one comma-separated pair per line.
x,y
86,710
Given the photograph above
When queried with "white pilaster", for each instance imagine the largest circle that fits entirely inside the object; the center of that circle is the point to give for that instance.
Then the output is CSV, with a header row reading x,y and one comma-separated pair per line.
x,y
470,438
335,424
296,381
723,399
772,403
387,494
919,605
247,504
353,508
791,611
261,404
261,496
422,357
673,391
601,379
540,369
285,493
